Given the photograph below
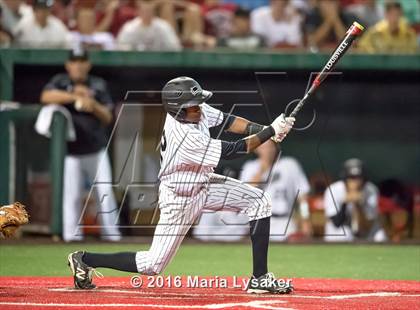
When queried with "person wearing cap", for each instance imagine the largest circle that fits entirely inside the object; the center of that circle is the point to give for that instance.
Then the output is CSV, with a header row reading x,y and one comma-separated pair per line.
x,y
87,99
351,206
41,29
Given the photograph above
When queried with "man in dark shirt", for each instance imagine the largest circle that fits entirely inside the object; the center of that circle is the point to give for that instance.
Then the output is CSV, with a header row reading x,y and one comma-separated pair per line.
x,y
241,36
87,99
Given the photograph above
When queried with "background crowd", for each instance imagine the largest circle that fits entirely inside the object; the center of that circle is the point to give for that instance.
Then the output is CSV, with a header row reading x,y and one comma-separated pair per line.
x,y
171,25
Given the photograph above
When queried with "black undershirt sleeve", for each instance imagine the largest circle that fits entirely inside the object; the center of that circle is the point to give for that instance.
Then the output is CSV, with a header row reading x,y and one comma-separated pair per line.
x,y
231,150
340,217
228,120
251,128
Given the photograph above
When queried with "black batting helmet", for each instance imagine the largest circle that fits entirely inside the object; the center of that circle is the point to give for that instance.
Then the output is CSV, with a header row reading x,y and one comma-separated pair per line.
x,y
180,93
353,168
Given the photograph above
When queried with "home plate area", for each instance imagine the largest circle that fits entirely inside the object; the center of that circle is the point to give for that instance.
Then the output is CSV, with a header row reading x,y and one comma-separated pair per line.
x,y
117,292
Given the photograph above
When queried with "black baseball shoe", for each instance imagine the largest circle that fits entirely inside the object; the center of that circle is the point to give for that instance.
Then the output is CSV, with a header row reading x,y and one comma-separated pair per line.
x,y
268,284
82,273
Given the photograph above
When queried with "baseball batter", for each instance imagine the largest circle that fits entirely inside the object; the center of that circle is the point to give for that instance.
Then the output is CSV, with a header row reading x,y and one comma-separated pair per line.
x,y
189,186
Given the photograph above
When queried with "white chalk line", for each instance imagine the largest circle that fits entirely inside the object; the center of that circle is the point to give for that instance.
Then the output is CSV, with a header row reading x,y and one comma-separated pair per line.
x,y
254,304
139,292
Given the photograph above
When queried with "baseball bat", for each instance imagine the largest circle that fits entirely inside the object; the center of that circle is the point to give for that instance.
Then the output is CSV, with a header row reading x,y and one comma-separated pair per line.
x,y
352,33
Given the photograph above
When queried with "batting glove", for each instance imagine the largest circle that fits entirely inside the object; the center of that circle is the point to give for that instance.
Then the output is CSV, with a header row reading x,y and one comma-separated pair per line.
x,y
282,125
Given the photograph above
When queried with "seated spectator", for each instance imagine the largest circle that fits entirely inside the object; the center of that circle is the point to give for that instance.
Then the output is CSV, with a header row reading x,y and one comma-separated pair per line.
x,y
368,12
326,24
411,9
113,14
5,37
12,12
279,24
41,30
351,207
186,18
218,18
147,32
64,10
85,37
241,36
391,35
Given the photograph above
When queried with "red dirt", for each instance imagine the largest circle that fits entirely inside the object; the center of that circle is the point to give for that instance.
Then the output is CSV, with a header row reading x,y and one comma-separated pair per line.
x,y
114,293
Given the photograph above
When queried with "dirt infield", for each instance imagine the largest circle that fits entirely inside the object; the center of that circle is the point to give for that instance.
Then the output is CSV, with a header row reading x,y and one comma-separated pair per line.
x,y
113,293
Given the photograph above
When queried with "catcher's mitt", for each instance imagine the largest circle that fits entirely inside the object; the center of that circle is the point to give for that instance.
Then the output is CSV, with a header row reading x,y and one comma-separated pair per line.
x,y
11,218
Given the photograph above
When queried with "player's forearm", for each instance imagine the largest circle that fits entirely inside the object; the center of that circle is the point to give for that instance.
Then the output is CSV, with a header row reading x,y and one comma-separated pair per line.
x,y
319,34
102,113
340,217
241,125
231,150
56,96
339,28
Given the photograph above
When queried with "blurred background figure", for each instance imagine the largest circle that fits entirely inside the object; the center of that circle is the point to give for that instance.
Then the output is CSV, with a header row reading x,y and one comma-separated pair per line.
x,y
218,18
351,207
5,36
12,12
41,29
283,178
279,24
411,9
242,37
87,99
367,12
186,19
288,187
85,36
391,35
147,32
319,182
325,24
396,205
111,15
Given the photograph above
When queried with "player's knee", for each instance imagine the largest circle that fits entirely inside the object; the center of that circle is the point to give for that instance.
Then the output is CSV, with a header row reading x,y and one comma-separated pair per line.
x,y
267,200
265,205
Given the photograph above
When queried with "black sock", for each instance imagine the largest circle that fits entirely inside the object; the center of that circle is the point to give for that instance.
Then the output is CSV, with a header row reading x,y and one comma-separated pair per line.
x,y
260,236
124,261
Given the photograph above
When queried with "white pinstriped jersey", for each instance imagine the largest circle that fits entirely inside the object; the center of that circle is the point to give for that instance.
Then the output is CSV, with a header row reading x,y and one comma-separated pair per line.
x,y
188,153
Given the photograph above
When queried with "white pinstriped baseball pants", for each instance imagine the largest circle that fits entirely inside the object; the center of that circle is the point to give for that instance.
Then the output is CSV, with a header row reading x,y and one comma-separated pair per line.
x,y
177,214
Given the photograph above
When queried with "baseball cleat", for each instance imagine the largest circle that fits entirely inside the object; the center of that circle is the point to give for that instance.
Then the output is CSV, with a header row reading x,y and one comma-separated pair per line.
x,y
268,284
82,273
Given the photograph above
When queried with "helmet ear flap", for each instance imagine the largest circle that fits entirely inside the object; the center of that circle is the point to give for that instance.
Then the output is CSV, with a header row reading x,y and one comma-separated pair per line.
x,y
180,115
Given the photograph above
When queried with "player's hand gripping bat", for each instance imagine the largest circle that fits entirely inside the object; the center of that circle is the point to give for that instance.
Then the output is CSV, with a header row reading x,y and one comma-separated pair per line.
x,y
354,31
